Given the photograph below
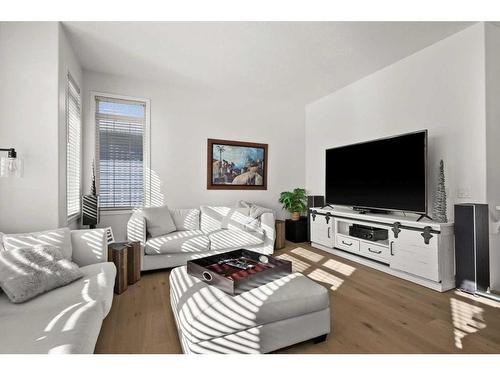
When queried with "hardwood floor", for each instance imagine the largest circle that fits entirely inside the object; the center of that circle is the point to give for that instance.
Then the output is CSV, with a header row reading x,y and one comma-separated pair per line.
x,y
372,312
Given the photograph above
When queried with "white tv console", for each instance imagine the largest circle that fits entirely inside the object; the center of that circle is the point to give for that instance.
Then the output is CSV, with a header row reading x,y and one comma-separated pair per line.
x,y
421,252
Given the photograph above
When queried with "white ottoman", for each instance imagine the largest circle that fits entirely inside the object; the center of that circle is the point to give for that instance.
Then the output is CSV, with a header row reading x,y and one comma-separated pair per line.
x,y
281,313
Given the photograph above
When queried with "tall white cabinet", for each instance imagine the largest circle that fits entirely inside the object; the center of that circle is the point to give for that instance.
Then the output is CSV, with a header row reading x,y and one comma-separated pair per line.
x,y
421,252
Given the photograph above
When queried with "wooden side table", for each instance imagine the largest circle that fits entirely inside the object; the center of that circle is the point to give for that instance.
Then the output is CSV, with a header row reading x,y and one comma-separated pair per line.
x,y
117,253
134,262
127,258
280,234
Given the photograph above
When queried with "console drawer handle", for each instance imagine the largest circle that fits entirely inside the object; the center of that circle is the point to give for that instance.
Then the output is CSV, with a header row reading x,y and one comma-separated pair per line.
x,y
346,243
374,251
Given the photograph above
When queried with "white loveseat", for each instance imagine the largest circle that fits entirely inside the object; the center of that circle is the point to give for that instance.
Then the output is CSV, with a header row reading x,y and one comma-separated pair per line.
x,y
67,319
202,232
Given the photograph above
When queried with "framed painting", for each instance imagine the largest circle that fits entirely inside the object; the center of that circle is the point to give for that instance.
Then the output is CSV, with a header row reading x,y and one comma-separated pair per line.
x,y
233,165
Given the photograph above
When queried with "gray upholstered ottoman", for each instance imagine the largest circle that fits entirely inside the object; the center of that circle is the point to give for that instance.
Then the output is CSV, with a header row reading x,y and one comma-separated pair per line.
x,y
276,315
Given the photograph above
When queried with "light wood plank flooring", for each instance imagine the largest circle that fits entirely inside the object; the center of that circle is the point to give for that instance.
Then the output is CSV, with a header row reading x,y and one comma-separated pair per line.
x,y
372,312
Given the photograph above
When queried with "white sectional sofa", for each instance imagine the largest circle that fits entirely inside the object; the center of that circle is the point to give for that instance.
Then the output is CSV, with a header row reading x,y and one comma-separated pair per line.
x,y
67,319
202,232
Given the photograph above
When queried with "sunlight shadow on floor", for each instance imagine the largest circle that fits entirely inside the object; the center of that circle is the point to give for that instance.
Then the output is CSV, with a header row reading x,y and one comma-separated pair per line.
x,y
307,254
467,319
297,264
325,277
317,274
339,267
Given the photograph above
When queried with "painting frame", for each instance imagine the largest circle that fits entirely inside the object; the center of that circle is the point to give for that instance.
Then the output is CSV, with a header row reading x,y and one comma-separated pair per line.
x,y
210,162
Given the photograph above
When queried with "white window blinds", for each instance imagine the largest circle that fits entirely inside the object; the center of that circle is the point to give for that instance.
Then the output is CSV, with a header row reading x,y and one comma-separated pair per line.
x,y
120,126
73,148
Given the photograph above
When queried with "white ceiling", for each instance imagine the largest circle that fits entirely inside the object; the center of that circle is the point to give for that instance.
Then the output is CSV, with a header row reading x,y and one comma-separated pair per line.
x,y
299,60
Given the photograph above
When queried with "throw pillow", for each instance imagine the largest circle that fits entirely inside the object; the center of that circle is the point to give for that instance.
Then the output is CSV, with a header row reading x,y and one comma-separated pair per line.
x,y
211,217
158,221
255,210
238,218
30,271
186,218
59,238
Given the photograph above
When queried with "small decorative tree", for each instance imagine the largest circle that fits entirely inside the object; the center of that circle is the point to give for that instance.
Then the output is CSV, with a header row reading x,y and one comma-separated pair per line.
x,y
90,204
93,190
439,209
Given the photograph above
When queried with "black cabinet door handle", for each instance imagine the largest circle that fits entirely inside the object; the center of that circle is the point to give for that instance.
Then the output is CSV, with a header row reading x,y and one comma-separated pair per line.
x,y
390,247
328,232
346,243
374,251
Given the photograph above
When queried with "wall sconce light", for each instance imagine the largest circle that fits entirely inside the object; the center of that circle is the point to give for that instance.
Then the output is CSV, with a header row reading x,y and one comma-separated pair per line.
x,y
11,165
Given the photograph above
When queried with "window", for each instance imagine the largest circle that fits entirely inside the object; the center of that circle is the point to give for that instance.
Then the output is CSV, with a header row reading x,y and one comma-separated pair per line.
x,y
122,158
73,148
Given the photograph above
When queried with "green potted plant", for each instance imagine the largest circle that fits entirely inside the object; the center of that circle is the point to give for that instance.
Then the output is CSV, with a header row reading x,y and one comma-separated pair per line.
x,y
294,202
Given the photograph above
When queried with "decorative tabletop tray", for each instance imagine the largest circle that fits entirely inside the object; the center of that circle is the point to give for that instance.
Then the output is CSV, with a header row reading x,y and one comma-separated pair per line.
x,y
238,271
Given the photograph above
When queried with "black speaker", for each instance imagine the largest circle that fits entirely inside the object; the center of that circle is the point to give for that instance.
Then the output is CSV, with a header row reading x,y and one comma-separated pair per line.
x,y
313,201
472,258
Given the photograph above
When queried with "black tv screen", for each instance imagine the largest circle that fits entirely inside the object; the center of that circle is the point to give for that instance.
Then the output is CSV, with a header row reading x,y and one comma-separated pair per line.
x,y
387,174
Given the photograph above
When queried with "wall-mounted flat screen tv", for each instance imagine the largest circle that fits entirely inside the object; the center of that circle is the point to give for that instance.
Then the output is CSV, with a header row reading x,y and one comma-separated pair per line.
x,y
385,174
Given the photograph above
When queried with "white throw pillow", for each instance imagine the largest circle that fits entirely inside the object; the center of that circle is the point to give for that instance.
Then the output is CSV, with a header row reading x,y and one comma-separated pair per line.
x,y
255,211
58,238
186,218
238,218
30,271
211,217
93,245
158,221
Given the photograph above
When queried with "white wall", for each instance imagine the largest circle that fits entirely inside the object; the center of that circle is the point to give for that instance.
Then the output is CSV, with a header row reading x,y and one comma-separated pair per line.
x,y
440,88
28,122
36,57
493,146
181,121
451,88
67,63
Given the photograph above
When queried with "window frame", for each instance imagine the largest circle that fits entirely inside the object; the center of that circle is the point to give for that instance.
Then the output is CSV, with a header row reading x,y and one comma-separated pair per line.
x,y
146,149
70,80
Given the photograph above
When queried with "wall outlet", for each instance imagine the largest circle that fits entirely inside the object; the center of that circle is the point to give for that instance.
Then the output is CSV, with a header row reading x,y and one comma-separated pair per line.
x,y
464,192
